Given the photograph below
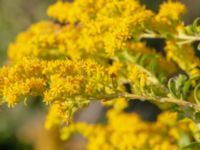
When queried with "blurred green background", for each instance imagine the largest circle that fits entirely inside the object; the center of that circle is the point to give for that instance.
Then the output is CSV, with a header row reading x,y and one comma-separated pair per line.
x,y
16,16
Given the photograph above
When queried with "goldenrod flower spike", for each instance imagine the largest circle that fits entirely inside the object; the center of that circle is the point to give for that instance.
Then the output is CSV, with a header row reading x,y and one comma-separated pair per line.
x,y
89,51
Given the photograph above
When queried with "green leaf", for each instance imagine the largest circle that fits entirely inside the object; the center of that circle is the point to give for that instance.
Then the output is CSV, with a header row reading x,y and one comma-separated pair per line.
x,y
195,25
180,81
197,116
198,47
162,77
184,140
180,86
153,66
196,96
125,56
186,88
192,146
143,60
171,86
137,57
189,29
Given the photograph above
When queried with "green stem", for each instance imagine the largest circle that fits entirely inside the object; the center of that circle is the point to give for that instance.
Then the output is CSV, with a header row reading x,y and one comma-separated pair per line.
x,y
178,102
178,37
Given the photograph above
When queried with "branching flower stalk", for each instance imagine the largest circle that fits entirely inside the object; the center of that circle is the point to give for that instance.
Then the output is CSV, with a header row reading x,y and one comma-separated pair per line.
x,y
180,37
179,102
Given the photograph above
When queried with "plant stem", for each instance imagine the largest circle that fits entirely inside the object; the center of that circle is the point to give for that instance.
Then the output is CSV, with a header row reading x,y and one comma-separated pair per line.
x,y
179,102
178,37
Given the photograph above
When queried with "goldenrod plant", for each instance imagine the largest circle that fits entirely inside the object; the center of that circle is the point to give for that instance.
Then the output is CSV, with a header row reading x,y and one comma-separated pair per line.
x,y
88,50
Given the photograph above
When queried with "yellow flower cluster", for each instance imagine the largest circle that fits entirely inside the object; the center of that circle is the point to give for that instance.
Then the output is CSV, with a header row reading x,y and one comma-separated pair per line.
x,y
67,84
169,15
45,40
22,80
126,131
185,57
87,27
106,27
171,10
55,80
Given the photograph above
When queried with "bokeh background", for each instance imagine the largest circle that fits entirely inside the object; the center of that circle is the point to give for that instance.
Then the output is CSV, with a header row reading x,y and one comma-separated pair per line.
x,y
21,128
